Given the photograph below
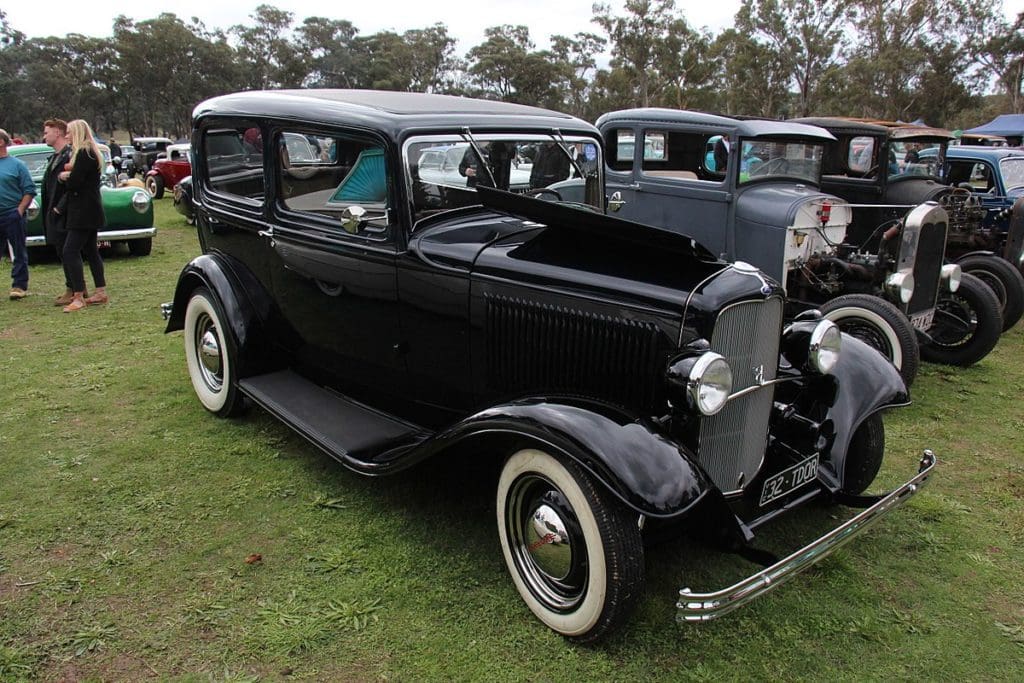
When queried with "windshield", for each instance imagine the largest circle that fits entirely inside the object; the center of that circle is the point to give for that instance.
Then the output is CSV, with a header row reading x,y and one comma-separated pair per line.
x,y
763,159
36,162
443,171
908,157
1012,170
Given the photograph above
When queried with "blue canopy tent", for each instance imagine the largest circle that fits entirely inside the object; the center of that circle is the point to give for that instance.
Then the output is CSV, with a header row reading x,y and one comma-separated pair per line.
x,y
1010,126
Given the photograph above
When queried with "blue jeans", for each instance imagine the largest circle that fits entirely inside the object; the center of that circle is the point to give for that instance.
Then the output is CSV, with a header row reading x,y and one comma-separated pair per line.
x,y
12,227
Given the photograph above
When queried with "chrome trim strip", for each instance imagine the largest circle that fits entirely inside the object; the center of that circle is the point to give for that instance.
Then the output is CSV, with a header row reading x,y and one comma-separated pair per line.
x,y
103,236
754,387
694,607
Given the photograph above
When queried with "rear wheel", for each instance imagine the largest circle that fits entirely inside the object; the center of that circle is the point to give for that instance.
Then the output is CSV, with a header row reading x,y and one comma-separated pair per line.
x,y
211,355
966,327
1005,281
573,550
880,325
864,455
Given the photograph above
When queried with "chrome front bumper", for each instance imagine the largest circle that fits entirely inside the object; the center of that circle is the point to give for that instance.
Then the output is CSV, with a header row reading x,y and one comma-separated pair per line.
x,y
707,606
112,235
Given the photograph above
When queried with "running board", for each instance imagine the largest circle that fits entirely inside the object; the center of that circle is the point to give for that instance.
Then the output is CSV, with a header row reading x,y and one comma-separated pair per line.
x,y
359,436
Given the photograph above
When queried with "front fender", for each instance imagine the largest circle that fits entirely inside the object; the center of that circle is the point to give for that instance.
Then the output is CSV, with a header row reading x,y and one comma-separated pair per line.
x,y
631,456
976,252
867,383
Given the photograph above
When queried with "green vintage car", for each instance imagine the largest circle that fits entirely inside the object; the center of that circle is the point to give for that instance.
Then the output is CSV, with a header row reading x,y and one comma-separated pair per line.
x,y
129,210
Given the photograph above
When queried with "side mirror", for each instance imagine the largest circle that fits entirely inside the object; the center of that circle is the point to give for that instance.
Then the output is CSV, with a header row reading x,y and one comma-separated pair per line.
x,y
352,218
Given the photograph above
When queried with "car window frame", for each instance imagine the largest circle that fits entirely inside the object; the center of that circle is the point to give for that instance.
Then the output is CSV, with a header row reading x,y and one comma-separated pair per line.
x,y
216,198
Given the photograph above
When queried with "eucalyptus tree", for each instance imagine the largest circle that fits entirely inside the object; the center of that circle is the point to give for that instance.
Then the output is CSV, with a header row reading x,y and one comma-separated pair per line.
x,y
507,67
1002,55
575,64
327,47
807,36
270,58
753,79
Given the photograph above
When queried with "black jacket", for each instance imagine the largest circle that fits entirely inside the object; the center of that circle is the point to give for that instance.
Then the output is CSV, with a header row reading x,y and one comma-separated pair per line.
x,y
82,206
53,190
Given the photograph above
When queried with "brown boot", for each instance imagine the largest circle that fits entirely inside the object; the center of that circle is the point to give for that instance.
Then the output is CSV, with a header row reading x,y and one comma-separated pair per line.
x,y
65,298
99,296
77,303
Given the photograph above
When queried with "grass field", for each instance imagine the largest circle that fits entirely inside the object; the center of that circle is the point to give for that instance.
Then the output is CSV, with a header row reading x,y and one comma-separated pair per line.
x,y
128,514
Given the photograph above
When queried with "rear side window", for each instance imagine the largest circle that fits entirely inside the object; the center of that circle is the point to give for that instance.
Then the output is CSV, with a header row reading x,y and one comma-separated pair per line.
x,y
684,155
322,175
234,161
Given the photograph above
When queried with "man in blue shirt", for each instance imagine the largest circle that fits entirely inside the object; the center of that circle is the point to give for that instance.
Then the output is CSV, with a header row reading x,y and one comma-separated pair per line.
x,y
16,192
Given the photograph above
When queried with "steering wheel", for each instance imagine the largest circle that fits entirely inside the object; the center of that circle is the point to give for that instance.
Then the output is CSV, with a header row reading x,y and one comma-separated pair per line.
x,y
536,193
776,165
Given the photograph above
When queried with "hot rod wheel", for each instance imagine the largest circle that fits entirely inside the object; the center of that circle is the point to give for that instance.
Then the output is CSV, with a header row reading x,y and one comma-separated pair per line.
x,y
211,355
879,324
1005,281
966,327
573,550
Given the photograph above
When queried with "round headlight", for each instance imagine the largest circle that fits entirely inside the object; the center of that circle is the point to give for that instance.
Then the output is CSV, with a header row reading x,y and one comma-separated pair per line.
x,y
710,383
826,341
951,273
33,209
901,285
140,201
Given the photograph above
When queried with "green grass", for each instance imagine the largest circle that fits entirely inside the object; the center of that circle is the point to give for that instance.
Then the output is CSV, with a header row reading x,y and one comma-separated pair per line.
x,y
127,514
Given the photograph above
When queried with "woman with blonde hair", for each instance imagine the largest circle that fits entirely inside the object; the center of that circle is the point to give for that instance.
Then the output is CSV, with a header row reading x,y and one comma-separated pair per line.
x,y
83,209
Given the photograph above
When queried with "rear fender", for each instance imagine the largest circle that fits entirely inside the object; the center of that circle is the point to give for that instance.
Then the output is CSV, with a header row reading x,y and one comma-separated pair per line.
x,y
630,456
245,303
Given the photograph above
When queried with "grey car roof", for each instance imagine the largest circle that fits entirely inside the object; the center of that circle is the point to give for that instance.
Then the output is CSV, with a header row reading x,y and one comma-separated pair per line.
x,y
747,128
982,152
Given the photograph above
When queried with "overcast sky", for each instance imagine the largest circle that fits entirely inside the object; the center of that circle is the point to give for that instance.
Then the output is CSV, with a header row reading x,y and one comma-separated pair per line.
x,y
466,19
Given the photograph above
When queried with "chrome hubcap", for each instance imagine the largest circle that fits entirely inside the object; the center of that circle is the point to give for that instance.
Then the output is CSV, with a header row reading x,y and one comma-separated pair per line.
x,y
209,353
547,543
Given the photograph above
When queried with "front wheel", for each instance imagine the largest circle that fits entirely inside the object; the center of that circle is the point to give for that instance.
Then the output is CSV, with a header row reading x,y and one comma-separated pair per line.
x,y
881,326
1005,281
140,247
966,326
573,550
211,355
155,186
864,455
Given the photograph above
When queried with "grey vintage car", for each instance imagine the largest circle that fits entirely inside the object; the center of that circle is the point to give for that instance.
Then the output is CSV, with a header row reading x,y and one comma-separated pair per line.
x,y
750,191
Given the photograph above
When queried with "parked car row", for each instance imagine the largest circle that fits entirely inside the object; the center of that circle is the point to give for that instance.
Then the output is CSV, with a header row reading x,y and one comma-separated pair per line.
x,y
626,375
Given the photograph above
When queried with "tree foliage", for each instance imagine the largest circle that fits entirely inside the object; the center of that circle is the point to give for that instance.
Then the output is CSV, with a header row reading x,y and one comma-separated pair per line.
x,y
904,59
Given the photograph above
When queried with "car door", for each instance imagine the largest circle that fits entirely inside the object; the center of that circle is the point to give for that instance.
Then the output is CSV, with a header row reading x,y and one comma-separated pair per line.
x,y
334,280
668,183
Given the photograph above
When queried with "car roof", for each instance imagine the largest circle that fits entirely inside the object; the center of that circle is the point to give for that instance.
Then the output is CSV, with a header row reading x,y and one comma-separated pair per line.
x,y
982,152
747,128
398,113
152,139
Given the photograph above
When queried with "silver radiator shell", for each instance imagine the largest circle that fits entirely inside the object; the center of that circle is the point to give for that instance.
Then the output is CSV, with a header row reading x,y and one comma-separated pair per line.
x,y
732,443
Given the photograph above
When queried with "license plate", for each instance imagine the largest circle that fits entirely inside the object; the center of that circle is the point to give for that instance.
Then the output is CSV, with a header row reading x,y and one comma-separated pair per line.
x,y
789,479
922,321
103,244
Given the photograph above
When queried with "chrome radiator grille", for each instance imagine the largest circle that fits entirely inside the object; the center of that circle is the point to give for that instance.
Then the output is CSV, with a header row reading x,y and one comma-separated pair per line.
x,y
539,347
732,443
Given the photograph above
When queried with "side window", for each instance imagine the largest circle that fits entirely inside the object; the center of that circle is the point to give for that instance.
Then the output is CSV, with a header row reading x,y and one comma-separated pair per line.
x,y
234,161
861,155
685,156
620,143
324,175
981,178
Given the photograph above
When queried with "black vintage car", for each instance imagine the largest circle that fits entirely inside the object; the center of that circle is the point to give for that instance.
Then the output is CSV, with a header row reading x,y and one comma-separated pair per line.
x,y
883,169
392,311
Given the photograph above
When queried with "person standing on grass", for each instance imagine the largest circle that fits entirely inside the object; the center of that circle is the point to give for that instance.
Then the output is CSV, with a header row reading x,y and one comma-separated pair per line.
x,y
16,192
83,213
55,133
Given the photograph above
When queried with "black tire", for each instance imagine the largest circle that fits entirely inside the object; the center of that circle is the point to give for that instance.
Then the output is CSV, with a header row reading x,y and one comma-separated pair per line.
x,y
966,327
155,186
1005,281
864,455
879,324
211,355
574,551
140,247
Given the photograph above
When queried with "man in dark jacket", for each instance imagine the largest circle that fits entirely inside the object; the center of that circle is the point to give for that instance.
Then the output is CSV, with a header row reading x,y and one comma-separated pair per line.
x,y
55,135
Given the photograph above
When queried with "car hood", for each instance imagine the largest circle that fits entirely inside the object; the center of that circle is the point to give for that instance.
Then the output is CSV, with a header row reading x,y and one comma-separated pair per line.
x,y
791,205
